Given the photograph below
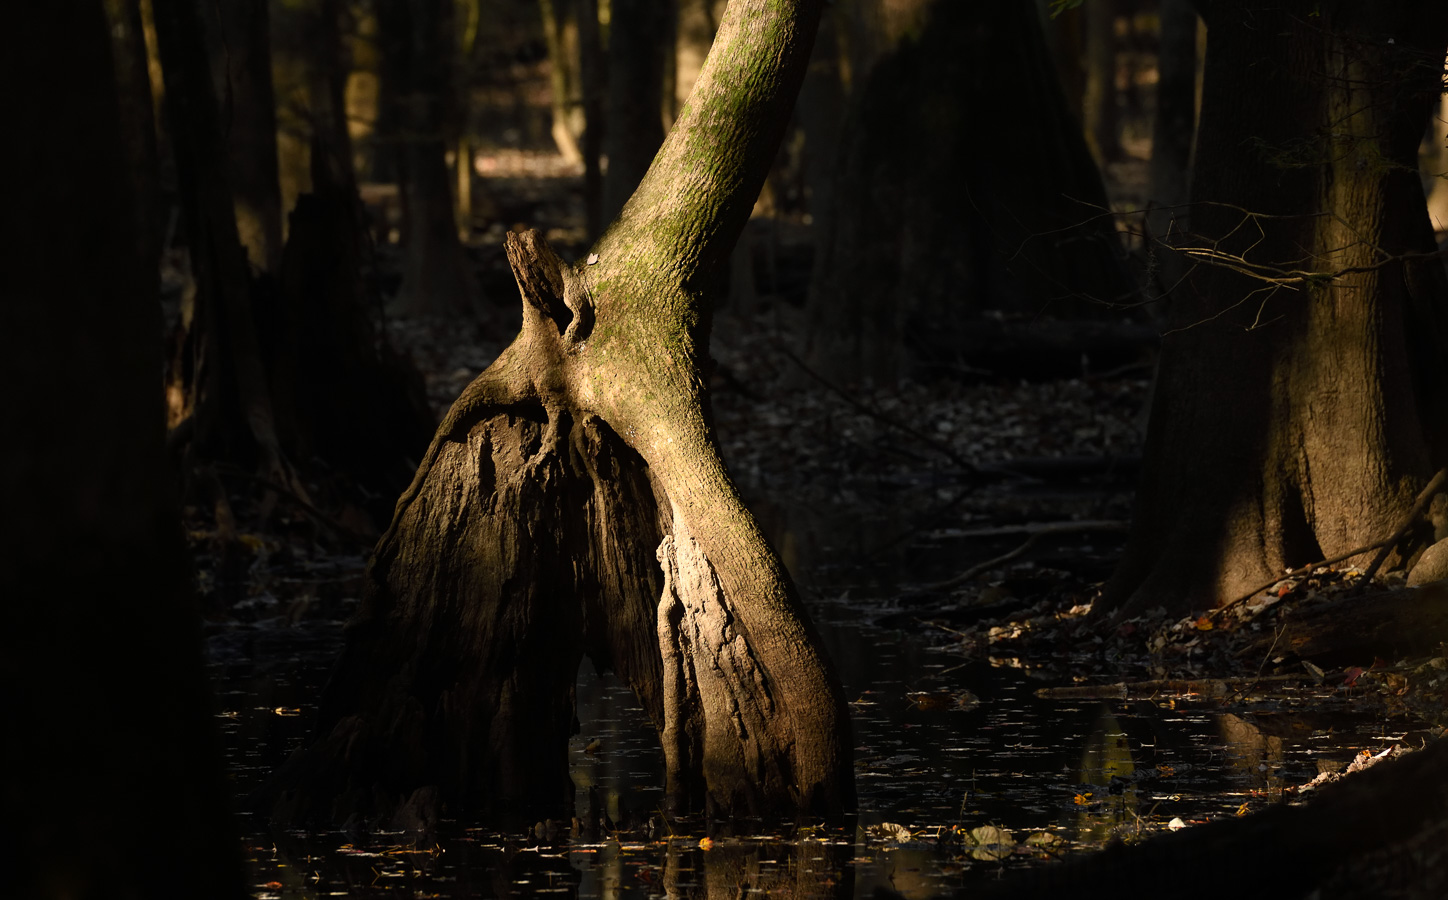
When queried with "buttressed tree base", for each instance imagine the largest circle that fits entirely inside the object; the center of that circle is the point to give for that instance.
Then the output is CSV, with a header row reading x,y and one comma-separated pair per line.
x,y
574,501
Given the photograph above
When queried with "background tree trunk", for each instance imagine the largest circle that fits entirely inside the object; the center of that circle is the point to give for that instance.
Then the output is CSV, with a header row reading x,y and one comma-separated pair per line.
x,y
311,86
527,538
1100,116
927,231
418,42
217,379
1296,417
109,738
1173,131
138,123
635,97
238,41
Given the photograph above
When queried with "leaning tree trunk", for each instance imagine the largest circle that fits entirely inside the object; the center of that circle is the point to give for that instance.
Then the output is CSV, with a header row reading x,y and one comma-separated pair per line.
x,y
1300,403
574,501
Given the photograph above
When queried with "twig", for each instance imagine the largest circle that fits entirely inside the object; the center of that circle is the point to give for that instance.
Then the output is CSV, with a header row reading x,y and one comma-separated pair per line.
x,y
1300,570
332,525
1424,498
1038,532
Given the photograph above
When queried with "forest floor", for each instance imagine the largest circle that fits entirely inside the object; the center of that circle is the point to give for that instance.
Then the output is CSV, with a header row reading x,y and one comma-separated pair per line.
x,y
982,516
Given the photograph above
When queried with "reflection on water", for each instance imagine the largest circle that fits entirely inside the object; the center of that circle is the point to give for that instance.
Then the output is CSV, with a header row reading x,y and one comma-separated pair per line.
x,y
1084,772
933,766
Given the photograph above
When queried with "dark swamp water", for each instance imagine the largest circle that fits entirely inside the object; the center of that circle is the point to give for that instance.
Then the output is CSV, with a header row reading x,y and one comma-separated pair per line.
x,y
946,749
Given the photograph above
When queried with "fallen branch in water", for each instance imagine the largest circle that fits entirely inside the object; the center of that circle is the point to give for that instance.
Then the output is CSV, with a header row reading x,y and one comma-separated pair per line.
x,y
1036,532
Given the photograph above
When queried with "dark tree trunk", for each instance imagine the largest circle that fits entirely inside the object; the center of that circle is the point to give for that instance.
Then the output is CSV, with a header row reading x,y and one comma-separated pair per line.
x,y
217,381
343,394
420,54
1300,401
263,379
109,738
311,84
1100,116
935,223
239,43
636,46
1174,129
574,501
138,123
592,72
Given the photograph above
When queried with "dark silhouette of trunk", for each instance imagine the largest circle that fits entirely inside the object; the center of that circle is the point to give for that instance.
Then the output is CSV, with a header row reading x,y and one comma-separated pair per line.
x,y
636,46
343,394
109,738
261,379
1100,116
138,123
935,222
1300,401
239,44
419,53
592,73
217,389
312,78
1173,131
574,502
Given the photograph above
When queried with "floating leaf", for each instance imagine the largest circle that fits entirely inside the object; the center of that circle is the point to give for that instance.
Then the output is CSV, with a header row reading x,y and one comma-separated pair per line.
x,y
892,832
1083,799
1176,824
1242,810
1043,839
705,843
992,843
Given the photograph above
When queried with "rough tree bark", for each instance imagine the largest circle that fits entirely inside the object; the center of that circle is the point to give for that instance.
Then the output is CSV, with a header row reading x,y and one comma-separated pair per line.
x,y
574,501
935,222
1300,402
109,736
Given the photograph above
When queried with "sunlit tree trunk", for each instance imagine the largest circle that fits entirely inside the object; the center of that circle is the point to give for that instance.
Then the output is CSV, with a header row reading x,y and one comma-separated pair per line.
x,y
109,739
574,501
560,31
1298,412
1438,196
